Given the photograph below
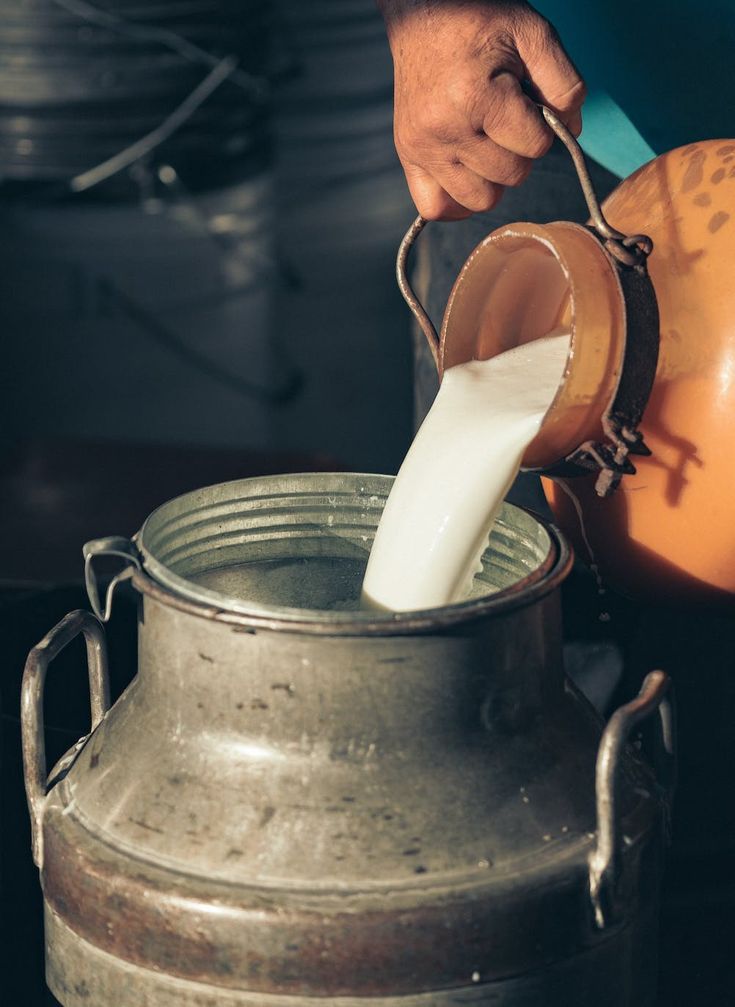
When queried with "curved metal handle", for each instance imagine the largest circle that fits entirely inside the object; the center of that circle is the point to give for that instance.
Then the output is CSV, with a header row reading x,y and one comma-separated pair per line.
x,y
409,295
630,250
31,707
113,545
602,862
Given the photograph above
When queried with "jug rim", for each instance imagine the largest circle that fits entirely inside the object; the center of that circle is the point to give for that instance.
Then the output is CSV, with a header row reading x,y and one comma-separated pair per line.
x,y
152,578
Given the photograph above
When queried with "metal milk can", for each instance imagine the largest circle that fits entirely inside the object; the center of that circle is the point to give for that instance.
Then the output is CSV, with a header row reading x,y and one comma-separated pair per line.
x,y
297,802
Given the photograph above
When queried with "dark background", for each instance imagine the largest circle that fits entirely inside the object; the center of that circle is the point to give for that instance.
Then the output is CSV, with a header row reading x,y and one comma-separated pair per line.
x,y
223,306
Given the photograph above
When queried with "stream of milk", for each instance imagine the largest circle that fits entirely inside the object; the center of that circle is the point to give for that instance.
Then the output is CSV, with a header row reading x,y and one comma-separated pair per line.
x,y
466,454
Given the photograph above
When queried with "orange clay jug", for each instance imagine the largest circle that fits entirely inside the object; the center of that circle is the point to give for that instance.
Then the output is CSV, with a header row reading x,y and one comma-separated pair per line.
x,y
638,447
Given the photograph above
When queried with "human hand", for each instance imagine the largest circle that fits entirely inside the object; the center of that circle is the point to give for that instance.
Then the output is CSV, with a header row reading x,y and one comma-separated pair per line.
x,y
464,128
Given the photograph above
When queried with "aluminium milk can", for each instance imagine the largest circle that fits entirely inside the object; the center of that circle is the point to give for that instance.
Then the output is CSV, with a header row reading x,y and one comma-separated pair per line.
x,y
638,439
298,802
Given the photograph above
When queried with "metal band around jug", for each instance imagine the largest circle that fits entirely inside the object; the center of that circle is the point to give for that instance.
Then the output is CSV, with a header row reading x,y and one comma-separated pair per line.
x,y
626,408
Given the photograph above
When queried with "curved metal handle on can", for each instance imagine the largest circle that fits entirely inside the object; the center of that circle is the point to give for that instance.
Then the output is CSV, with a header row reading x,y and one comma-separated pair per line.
x,y
113,545
653,697
629,250
31,708
409,294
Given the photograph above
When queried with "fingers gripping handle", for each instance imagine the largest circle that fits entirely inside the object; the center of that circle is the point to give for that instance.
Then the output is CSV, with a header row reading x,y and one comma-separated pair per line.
x,y
629,250
34,677
409,239
603,862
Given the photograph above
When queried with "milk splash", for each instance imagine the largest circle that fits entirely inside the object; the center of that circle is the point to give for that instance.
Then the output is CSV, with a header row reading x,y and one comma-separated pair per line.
x,y
463,460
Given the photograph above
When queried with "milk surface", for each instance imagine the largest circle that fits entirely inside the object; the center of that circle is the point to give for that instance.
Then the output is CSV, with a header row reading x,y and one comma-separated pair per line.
x,y
463,460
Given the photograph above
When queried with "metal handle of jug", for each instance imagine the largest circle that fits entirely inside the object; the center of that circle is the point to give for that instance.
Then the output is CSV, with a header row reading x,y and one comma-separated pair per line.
x,y
113,545
629,250
603,862
37,783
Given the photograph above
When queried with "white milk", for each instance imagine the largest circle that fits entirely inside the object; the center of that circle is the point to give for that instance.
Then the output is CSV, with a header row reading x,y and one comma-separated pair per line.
x,y
468,451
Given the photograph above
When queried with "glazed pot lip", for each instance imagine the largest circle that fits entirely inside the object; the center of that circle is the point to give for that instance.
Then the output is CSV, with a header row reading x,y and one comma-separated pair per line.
x,y
579,258
510,238
175,592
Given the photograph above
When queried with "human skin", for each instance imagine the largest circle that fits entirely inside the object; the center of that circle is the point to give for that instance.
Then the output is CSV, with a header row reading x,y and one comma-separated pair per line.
x,y
464,124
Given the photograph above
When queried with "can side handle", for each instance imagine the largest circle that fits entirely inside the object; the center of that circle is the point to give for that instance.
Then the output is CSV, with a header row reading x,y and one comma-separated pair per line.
x,y
112,545
31,711
603,862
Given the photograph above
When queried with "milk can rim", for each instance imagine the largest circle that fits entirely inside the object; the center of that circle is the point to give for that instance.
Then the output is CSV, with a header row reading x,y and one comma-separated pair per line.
x,y
176,593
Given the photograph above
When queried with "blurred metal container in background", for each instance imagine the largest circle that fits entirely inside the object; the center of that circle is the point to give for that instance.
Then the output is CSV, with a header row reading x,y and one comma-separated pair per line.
x,y
342,200
162,283
139,251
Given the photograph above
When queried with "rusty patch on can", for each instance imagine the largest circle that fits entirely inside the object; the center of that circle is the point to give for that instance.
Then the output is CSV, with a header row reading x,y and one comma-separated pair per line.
x,y
271,941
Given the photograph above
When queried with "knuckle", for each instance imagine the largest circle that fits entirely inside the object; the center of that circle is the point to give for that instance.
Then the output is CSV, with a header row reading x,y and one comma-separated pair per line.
x,y
432,201
404,142
475,197
481,203
405,132
539,143
426,130
541,35
433,121
468,98
436,207
516,173
430,209
489,197
572,98
495,117
474,201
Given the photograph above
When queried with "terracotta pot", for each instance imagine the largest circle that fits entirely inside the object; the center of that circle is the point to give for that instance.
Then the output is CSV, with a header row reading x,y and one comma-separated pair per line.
x,y
667,529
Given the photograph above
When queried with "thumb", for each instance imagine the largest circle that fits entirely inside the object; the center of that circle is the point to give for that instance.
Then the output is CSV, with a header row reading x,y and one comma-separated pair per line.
x,y
554,79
